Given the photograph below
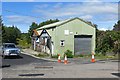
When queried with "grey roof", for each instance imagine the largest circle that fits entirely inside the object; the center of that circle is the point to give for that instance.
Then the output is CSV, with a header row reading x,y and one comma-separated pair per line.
x,y
60,23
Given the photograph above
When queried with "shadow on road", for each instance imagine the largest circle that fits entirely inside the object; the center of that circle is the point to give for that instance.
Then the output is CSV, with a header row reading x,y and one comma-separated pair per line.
x,y
13,57
31,75
7,65
116,74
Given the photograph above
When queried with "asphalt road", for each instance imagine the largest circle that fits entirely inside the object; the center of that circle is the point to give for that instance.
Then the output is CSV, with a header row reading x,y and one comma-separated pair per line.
x,y
26,66
21,60
60,79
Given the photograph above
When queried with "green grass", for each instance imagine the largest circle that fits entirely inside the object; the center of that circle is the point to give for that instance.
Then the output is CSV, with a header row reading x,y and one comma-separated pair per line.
x,y
42,55
100,56
83,56
97,56
54,56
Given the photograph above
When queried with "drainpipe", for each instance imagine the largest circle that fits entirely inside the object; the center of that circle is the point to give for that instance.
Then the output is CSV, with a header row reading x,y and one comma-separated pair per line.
x,y
34,43
45,43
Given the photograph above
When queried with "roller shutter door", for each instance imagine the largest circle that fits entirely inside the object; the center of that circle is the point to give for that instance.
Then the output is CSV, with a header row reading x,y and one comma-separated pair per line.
x,y
82,44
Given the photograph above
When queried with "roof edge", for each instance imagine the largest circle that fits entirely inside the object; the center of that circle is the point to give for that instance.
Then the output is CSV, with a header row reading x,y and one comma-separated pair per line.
x,y
79,19
66,22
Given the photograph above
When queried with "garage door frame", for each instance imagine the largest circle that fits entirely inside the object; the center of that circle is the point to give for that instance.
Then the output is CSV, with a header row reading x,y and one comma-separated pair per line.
x,y
82,37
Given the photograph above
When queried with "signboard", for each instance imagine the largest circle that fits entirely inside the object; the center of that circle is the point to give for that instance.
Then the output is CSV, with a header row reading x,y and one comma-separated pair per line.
x,y
66,32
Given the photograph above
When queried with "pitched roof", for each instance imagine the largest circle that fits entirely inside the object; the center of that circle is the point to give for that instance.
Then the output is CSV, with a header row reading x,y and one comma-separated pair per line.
x,y
36,33
60,23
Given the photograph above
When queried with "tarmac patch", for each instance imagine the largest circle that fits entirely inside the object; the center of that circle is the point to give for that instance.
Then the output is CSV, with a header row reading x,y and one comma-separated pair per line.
x,y
31,75
44,67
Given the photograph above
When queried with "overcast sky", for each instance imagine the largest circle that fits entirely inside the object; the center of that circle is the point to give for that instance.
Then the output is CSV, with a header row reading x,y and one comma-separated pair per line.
x,y
21,13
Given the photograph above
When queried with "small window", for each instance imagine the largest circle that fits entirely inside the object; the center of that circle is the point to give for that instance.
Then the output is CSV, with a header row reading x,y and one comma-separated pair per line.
x,y
62,43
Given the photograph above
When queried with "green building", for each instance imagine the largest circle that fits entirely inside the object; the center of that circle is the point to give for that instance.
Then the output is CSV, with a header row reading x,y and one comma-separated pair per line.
x,y
73,34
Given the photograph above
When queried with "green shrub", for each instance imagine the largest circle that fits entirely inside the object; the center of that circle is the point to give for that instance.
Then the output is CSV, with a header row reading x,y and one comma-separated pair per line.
x,y
68,53
54,56
110,57
23,43
99,54
42,55
81,55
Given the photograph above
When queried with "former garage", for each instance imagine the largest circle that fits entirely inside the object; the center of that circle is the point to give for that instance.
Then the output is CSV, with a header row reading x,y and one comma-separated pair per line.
x,y
73,34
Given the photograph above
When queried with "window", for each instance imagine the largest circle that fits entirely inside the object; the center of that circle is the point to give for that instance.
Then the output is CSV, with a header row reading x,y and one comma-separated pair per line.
x,y
62,43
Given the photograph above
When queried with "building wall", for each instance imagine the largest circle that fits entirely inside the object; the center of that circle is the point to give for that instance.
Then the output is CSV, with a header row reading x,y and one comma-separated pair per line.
x,y
75,27
52,33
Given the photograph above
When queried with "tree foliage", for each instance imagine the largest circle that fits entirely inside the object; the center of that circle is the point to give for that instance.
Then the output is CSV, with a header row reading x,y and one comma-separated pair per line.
x,y
10,34
24,41
32,27
1,30
35,25
48,22
116,27
108,41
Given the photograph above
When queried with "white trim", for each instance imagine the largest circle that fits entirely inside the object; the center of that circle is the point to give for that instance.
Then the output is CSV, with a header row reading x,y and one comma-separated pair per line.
x,y
52,48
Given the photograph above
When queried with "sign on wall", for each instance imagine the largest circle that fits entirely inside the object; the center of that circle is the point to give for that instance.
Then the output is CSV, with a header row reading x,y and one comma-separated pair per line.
x,y
66,32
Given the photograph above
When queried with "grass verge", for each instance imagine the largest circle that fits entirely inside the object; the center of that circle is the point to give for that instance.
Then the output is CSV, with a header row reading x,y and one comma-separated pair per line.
x,y
42,55
97,56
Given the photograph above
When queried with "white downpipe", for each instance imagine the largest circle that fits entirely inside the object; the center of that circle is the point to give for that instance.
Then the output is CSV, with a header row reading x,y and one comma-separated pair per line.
x,y
52,48
45,44
34,44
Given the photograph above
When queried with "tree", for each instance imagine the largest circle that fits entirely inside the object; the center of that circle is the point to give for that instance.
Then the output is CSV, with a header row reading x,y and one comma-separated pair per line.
x,y
1,29
32,27
116,42
116,27
48,22
10,34
25,36
1,22
107,42
24,41
35,25
99,41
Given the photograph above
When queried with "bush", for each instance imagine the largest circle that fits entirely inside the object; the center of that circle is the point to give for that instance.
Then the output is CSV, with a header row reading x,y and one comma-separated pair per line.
x,y
108,41
81,55
99,54
110,57
23,43
42,55
68,53
55,56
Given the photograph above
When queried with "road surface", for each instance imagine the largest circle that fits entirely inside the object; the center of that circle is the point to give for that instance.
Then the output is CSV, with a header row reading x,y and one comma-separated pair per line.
x,y
21,60
28,67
